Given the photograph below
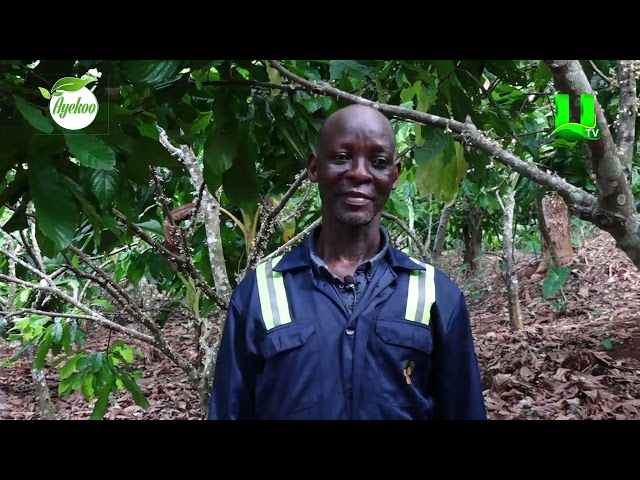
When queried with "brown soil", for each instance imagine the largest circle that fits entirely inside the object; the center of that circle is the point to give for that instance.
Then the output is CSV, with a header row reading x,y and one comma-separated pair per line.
x,y
580,360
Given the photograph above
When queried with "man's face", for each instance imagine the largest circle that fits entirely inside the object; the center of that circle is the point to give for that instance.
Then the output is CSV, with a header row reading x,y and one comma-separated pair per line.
x,y
355,167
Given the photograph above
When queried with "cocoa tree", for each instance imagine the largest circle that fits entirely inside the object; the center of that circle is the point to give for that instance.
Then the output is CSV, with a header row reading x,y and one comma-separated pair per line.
x,y
227,142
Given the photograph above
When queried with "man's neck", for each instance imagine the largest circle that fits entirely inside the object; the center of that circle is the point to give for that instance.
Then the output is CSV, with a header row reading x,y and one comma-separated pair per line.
x,y
340,244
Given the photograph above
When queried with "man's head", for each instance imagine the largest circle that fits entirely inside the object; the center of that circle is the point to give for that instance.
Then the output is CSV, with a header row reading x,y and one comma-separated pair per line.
x,y
354,164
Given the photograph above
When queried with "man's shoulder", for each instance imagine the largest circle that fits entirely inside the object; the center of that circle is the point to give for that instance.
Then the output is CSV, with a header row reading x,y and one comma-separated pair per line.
x,y
446,288
445,283
264,267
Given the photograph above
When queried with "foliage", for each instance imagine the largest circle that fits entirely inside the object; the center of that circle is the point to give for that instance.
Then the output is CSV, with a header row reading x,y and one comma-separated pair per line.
x,y
90,199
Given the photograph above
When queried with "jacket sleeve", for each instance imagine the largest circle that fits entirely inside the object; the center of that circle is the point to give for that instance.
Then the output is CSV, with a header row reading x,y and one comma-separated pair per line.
x,y
457,382
232,393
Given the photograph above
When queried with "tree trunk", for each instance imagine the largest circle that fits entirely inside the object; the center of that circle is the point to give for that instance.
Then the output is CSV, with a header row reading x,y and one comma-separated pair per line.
x,y
513,297
441,234
45,405
472,235
554,227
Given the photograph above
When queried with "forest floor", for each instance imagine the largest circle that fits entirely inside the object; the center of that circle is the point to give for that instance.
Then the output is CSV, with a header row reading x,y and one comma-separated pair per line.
x,y
581,361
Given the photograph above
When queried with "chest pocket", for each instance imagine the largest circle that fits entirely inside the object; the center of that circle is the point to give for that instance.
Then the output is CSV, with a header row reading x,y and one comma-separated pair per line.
x,y
290,378
403,356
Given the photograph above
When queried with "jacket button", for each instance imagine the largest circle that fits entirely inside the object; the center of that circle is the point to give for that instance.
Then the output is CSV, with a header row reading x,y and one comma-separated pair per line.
x,y
350,330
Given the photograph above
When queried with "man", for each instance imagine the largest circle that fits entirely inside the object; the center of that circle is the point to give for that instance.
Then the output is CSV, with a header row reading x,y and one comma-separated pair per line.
x,y
345,326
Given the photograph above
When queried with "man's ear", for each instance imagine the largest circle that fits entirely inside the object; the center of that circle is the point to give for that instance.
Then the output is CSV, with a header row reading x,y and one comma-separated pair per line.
x,y
312,167
397,170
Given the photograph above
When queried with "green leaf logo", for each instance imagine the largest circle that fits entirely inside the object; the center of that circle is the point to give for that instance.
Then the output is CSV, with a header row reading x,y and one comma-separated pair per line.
x,y
576,131
71,104
45,93
71,84
66,84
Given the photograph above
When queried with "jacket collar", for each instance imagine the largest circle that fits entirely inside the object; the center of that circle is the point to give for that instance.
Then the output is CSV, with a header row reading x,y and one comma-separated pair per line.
x,y
298,257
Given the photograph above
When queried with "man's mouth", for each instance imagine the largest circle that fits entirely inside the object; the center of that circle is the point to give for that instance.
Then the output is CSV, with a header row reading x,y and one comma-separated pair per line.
x,y
356,198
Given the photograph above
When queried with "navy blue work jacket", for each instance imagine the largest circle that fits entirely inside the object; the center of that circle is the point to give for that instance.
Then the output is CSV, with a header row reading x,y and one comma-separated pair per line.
x,y
324,363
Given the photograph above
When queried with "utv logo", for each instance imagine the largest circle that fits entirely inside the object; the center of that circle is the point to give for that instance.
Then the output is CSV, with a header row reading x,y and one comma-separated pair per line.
x,y
587,129
72,105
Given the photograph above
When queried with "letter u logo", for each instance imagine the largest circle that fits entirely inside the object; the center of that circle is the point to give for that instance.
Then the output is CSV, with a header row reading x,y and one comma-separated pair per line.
x,y
587,110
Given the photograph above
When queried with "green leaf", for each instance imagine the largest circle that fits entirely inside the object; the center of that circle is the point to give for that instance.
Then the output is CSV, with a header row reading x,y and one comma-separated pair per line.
x,y
33,115
508,71
88,208
56,331
440,174
100,408
104,184
125,351
460,103
351,67
220,150
45,93
543,75
18,220
446,72
66,338
160,267
71,84
42,351
289,133
56,220
151,72
435,141
240,182
90,151
87,386
97,361
556,277
147,151
427,96
531,145
136,269
66,385
152,226
133,387
203,120
408,93
69,367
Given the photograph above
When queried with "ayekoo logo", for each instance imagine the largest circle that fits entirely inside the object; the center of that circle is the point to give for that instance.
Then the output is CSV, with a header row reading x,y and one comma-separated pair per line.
x,y
587,129
73,106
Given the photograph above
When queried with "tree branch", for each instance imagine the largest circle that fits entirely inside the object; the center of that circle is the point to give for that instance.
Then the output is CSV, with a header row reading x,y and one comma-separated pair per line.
x,y
210,213
293,241
600,74
616,197
110,286
495,106
406,151
628,111
266,224
90,313
419,245
251,83
188,266
472,136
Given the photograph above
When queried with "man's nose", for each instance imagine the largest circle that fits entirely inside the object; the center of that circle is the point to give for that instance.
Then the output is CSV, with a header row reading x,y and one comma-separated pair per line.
x,y
359,169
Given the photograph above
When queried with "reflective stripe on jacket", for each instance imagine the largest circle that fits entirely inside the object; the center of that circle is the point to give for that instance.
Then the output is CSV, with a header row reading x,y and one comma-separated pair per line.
x,y
290,349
